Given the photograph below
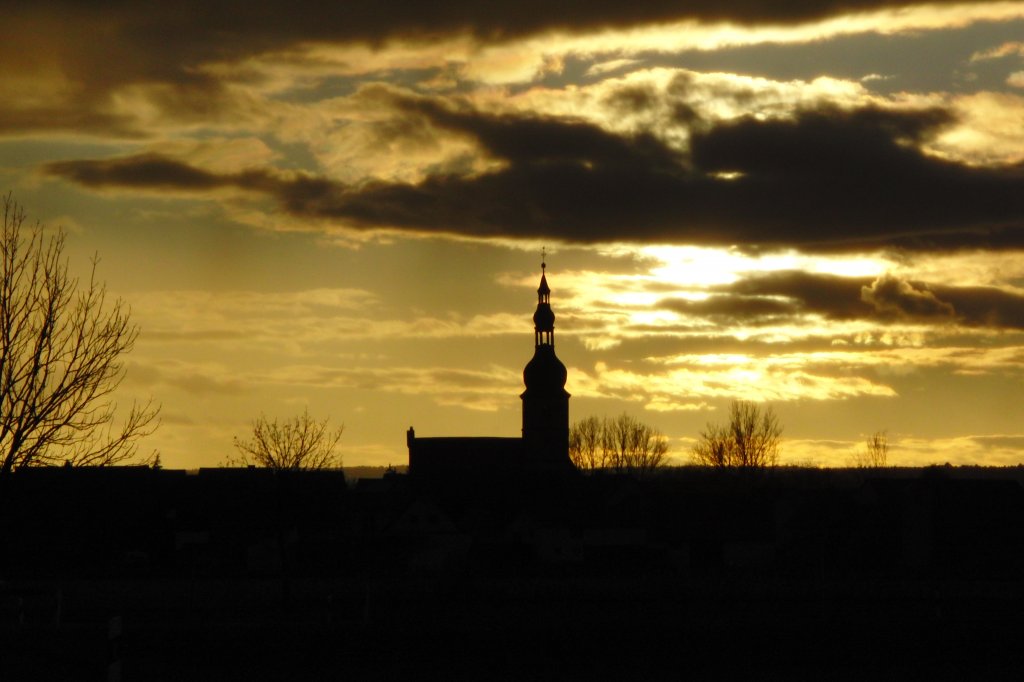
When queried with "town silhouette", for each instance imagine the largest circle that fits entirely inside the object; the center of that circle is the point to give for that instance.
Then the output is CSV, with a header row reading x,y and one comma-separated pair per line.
x,y
498,558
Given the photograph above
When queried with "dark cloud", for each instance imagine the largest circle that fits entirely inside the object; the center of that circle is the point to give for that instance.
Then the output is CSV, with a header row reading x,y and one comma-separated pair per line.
x,y
71,58
141,171
857,177
729,310
891,295
825,180
841,143
228,27
632,98
756,299
831,296
79,116
984,306
525,139
158,172
99,47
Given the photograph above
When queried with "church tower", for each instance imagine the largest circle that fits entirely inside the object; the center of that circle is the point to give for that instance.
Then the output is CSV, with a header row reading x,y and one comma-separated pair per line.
x,y
545,400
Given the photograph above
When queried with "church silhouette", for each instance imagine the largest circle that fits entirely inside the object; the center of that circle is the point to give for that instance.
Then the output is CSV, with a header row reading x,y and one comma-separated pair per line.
x,y
544,445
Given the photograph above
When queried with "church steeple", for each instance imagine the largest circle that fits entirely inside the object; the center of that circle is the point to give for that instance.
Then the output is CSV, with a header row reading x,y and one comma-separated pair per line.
x,y
544,318
545,400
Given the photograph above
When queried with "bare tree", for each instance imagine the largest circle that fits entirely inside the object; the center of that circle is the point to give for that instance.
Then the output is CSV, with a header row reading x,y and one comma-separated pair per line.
x,y
61,348
634,447
621,444
585,446
715,447
876,452
297,443
750,440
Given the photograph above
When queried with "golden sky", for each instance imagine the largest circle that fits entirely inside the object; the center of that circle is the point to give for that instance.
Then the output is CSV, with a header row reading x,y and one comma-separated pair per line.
x,y
815,205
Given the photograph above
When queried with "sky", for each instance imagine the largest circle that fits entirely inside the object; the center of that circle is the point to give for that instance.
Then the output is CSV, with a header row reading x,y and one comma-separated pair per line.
x,y
818,206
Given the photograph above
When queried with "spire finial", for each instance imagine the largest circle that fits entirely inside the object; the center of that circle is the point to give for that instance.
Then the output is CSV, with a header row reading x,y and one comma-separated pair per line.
x,y
543,258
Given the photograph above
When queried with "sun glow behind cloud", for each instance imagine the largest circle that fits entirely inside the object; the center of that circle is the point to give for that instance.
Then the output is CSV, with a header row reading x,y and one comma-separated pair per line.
x,y
629,306
705,267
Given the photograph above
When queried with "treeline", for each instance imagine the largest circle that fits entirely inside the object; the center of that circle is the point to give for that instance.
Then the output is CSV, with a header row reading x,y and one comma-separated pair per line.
x,y
620,444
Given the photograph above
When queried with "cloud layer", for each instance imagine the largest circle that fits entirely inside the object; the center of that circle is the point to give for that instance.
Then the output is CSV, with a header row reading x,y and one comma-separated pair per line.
x,y
823,179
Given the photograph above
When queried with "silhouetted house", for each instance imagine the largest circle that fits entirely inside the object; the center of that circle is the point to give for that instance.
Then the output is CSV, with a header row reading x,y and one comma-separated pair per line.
x,y
544,445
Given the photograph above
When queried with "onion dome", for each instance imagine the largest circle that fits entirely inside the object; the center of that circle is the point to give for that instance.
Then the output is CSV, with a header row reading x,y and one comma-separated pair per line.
x,y
544,372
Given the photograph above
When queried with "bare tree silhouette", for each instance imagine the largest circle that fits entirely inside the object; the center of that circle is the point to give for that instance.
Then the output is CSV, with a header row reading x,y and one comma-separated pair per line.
x,y
622,444
750,439
586,449
876,452
298,443
61,348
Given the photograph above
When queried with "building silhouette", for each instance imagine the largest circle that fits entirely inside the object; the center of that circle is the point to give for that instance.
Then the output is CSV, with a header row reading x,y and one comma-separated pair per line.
x,y
544,445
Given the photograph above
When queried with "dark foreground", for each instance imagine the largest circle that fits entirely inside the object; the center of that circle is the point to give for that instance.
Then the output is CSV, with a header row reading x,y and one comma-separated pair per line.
x,y
245,575
642,627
